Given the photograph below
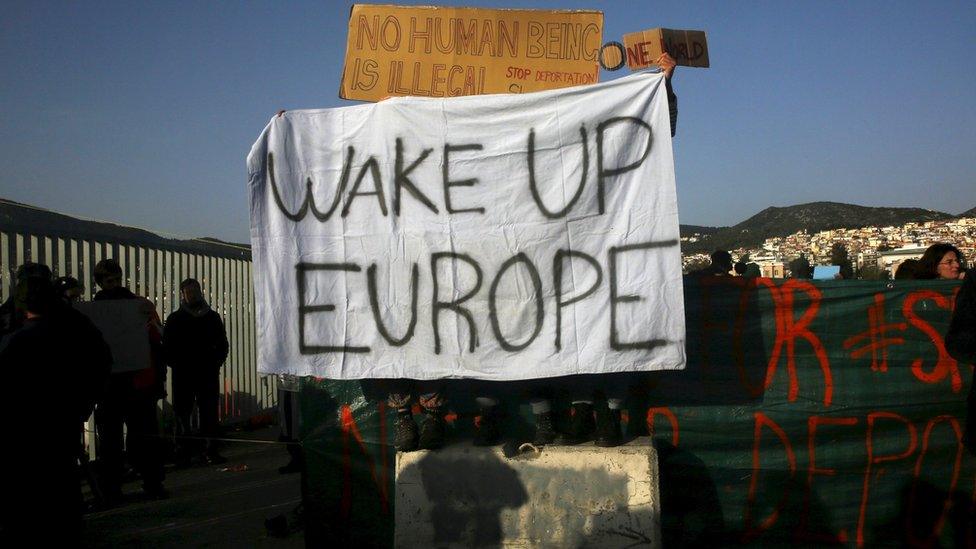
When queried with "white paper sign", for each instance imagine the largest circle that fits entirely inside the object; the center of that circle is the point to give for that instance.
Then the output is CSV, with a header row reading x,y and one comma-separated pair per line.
x,y
123,326
494,237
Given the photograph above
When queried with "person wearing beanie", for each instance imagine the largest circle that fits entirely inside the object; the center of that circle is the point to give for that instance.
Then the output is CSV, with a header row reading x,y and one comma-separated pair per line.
x,y
195,344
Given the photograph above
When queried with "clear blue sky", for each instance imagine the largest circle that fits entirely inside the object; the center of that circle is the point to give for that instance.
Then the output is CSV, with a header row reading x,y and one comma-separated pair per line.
x,y
142,113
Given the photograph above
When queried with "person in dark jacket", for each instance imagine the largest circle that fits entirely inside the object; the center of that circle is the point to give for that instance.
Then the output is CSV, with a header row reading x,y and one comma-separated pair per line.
x,y
58,365
961,343
195,344
131,400
10,317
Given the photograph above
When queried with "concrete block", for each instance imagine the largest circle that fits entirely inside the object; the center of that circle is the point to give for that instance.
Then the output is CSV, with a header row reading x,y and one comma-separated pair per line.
x,y
563,496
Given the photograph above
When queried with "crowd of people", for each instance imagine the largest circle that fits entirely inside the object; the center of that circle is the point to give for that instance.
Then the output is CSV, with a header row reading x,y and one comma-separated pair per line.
x,y
940,261
59,369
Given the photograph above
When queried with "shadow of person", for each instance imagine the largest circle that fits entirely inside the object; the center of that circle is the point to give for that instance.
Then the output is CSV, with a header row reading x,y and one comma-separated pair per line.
x,y
464,497
691,513
322,476
467,508
587,507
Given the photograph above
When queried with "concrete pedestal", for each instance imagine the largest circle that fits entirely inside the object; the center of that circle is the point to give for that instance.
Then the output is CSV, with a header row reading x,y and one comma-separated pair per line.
x,y
563,496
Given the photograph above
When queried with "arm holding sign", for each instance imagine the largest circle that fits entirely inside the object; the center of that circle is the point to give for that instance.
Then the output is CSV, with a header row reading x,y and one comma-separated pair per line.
x,y
668,64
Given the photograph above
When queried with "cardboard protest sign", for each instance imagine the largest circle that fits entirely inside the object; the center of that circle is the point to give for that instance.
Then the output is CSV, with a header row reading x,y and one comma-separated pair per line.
x,y
447,52
689,48
492,237
123,325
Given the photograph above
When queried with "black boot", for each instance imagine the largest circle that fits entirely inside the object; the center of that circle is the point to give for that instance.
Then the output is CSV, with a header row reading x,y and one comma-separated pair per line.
x,y
405,439
608,433
545,433
581,425
432,430
487,432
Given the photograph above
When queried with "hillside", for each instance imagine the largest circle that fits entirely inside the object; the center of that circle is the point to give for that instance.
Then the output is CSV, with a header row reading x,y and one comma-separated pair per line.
x,y
969,213
26,219
689,230
812,217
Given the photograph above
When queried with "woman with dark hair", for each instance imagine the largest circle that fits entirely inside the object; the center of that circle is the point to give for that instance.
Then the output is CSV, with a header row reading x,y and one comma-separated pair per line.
x,y
940,261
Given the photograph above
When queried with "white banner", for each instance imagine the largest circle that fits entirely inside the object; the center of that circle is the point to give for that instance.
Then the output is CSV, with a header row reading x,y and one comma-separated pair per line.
x,y
495,237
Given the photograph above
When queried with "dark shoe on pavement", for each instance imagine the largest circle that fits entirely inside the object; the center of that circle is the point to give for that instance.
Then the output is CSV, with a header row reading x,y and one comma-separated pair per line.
x,y
432,430
487,431
406,436
608,433
545,433
581,425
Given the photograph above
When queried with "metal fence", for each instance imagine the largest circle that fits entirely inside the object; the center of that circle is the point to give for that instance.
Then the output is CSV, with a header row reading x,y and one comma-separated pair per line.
x,y
153,267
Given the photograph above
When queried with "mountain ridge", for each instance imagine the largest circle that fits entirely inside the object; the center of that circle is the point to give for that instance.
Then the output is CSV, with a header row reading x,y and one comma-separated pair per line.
x,y
779,221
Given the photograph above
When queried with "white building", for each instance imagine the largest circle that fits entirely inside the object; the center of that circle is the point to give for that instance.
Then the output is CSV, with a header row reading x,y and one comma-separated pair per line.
x,y
891,259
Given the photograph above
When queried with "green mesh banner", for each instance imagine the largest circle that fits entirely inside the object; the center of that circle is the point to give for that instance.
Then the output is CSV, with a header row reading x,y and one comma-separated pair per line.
x,y
810,413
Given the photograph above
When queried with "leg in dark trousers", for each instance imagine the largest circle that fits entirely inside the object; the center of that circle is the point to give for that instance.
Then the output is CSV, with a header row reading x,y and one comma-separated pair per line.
x,y
183,398
109,418
288,418
208,399
144,443
969,436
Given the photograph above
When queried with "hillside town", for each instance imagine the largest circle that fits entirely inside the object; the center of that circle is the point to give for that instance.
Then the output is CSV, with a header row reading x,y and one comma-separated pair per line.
x,y
875,252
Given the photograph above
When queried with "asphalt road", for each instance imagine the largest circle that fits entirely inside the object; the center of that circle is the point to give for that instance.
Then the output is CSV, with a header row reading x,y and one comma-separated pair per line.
x,y
208,505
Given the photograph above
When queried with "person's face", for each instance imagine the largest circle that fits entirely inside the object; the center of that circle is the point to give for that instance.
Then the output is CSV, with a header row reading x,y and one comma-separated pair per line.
x,y
111,282
192,294
948,267
73,295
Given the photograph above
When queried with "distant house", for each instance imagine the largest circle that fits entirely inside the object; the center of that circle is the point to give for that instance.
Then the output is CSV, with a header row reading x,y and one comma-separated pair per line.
x,y
891,259
772,269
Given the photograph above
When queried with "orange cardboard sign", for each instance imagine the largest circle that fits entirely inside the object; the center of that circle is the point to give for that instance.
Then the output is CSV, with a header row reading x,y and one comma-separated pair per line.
x,y
446,52
689,48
